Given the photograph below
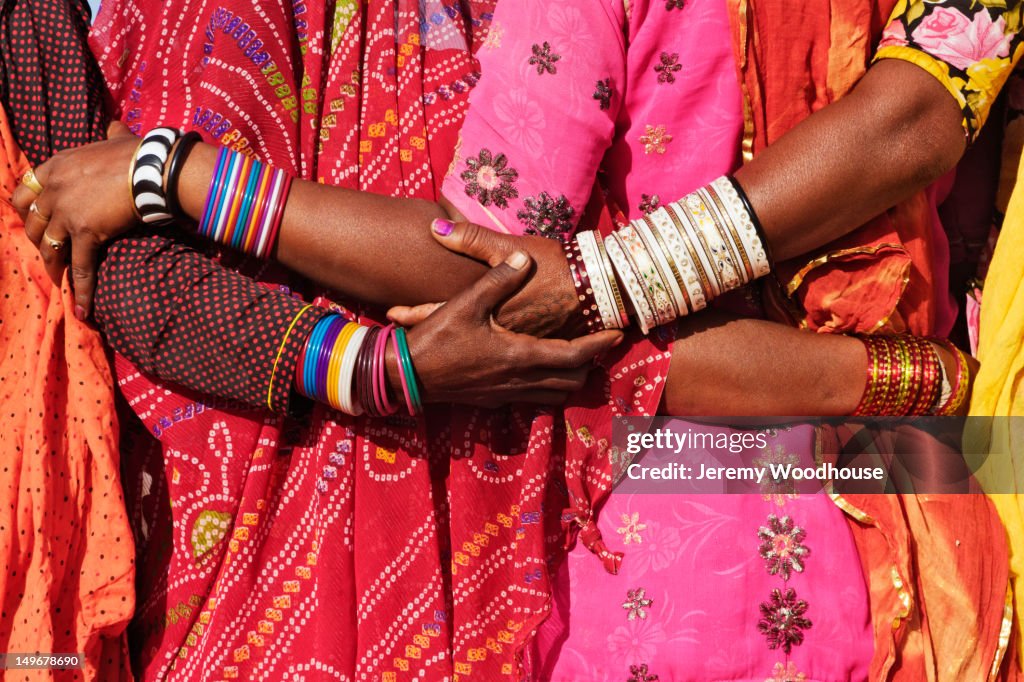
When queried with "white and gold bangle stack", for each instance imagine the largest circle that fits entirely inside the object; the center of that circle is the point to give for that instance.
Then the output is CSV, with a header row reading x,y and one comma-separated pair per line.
x,y
677,259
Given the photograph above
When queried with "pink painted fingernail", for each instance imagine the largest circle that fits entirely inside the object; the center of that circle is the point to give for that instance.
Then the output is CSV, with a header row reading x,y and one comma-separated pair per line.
x,y
443,227
80,313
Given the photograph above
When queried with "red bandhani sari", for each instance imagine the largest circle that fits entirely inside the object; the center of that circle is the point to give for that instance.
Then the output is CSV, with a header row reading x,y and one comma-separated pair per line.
x,y
330,547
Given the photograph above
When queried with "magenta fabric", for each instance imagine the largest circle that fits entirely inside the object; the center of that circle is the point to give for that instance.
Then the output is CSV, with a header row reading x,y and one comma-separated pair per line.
x,y
549,114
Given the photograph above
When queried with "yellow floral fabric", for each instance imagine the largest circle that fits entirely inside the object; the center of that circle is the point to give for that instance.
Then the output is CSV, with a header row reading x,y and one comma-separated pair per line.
x,y
970,46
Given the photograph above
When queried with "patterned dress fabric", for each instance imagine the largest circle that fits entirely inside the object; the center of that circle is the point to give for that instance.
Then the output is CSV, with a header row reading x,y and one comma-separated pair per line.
x,y
711,586
296,521
272,548
49,83
68,559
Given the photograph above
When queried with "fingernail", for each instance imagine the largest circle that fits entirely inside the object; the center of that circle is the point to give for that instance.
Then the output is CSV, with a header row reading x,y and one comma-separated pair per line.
x,y
443,227
617,341
80,313
518,260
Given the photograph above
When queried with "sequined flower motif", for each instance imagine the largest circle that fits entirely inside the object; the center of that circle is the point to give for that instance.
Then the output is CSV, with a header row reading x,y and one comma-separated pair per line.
x,y
786,672
674,4
668,67
654,139
777,489
544,59
781,546
490,180
636,603
631,529
547,216
649,203
494,36
782,620
640,673
603,93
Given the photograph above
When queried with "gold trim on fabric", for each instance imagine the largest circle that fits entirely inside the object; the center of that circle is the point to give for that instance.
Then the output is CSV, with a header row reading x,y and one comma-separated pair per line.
x,y
743,20
798,278
904,597
1004,633
845,506
841,502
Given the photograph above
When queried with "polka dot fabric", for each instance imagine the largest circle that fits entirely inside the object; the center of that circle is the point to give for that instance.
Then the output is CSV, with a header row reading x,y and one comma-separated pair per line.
x,y
181,316
50,85
67,579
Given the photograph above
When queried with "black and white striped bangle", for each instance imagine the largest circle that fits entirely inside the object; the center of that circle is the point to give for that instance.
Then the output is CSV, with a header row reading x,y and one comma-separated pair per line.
x,y
147,173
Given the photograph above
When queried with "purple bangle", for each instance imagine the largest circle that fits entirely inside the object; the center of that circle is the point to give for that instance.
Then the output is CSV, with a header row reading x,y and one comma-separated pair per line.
x,y
225,198
324,360
215,186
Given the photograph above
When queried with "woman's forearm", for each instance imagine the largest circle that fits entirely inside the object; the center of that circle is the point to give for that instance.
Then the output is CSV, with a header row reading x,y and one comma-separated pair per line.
x,y
896,133
725,366
374,248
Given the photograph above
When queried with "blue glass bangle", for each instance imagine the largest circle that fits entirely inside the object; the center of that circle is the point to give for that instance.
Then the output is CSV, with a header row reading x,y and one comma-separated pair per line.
x,y
224,206
214,193
312,355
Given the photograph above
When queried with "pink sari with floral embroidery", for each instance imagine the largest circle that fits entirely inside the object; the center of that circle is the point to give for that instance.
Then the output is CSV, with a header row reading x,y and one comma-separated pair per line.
x,y
700,593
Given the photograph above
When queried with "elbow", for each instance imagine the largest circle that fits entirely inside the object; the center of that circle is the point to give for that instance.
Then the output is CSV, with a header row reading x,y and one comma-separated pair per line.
x,y
921,128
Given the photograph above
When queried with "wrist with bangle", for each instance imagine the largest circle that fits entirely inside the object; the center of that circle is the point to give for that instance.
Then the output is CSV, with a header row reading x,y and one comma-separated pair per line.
x,y
672,262
346,366
905,377
245,202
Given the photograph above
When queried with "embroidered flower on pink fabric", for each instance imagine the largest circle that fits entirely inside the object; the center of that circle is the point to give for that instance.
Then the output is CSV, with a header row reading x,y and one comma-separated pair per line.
x,y
636,641
489,179
649,203
547,216
786,672
631,529
521,119
654,139
777,490
782,620
948,34
544,59
781,546
640,673
636,603
494,36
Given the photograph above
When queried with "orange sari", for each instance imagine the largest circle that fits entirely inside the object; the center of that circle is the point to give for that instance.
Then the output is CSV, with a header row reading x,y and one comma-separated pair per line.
x,y
67,552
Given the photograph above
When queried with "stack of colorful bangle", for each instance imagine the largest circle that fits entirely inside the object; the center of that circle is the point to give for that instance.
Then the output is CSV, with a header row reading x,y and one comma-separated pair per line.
x,y
905,376
343,365
672,262
245,204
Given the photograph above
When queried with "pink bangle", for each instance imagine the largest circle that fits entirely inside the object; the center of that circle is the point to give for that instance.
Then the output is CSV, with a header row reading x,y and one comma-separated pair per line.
x,y
380,391
278,216
401,376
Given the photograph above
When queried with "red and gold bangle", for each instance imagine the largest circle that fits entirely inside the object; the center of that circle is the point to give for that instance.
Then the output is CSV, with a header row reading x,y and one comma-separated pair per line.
x,y
589,308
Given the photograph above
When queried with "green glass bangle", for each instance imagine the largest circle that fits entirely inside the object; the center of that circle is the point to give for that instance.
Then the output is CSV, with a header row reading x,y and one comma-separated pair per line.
x,y
405,357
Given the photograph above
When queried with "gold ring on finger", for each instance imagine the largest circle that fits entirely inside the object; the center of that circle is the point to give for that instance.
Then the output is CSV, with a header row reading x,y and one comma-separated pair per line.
x,y
30,180
54,244
34,208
